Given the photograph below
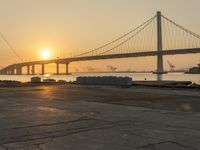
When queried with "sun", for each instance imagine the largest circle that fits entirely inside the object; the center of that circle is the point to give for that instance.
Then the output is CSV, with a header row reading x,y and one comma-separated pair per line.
x,y
46,53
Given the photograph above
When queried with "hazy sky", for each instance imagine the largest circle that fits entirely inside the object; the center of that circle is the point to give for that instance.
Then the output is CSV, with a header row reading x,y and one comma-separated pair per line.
x,y
73,26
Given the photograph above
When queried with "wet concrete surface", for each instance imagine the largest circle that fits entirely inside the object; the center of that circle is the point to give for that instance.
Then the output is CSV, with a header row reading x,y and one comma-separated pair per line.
x,y
71,117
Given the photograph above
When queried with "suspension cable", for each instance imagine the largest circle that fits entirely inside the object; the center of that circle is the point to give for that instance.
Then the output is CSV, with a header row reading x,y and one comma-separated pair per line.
x,y
128,38
118,38
181,27
10,46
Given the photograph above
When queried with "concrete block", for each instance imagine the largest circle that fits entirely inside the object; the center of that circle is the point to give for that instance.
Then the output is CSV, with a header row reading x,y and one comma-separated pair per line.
x,y
80,80
35,79
105,80
49,80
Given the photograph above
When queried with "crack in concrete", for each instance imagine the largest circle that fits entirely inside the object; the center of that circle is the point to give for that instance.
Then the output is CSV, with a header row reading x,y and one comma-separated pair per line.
x,y
72,132
153,146
24,145
50,124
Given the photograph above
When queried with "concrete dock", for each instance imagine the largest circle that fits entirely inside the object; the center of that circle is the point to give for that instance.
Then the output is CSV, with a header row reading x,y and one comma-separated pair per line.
x,y
73,117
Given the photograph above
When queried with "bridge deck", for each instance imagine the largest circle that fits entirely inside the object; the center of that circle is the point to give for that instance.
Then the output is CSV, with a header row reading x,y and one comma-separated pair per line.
x,y
112,56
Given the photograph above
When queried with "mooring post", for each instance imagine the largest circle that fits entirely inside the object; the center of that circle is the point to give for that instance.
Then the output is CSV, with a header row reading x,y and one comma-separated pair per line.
x,y
159,44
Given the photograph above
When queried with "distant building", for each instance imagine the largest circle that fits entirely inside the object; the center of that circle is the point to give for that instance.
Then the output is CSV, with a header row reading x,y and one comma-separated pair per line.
x,y
194,70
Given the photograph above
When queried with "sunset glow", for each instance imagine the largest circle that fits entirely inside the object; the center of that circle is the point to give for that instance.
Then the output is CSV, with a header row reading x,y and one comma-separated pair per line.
x,y
51,29
46,53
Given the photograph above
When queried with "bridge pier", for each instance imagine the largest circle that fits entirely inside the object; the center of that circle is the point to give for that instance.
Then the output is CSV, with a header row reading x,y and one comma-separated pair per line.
x,y
19,70
57,68
28,70
67,68
12,71
8,72
4,72
43,69
33,70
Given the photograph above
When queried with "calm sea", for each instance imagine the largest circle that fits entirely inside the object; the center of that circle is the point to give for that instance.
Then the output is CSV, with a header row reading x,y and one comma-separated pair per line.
x,y
195,78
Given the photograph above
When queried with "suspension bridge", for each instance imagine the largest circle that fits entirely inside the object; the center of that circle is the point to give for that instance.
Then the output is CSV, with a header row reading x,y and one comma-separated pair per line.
x,y
158,36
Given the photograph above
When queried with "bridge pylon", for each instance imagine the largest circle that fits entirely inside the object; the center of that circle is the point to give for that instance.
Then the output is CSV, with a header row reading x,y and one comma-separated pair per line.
x,y
159,44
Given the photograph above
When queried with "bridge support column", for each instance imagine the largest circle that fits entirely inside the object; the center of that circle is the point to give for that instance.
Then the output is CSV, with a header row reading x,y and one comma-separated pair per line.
x,y
19,70
57,68
8,72
43,69
3,72
12,71
159,44
28,70
33,70
67,68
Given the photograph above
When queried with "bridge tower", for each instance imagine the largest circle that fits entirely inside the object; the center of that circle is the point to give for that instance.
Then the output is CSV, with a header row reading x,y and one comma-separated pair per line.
x,y
159,44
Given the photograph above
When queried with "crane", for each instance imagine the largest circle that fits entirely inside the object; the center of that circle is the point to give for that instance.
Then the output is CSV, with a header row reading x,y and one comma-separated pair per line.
x,y
172,67
111,68
90,69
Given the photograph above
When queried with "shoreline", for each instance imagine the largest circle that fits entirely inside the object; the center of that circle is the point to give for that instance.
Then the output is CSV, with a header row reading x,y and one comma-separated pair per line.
x,y
160,84
135,77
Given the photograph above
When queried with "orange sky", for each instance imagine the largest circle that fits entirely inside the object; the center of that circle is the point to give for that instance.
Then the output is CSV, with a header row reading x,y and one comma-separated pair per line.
x,y
70,27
